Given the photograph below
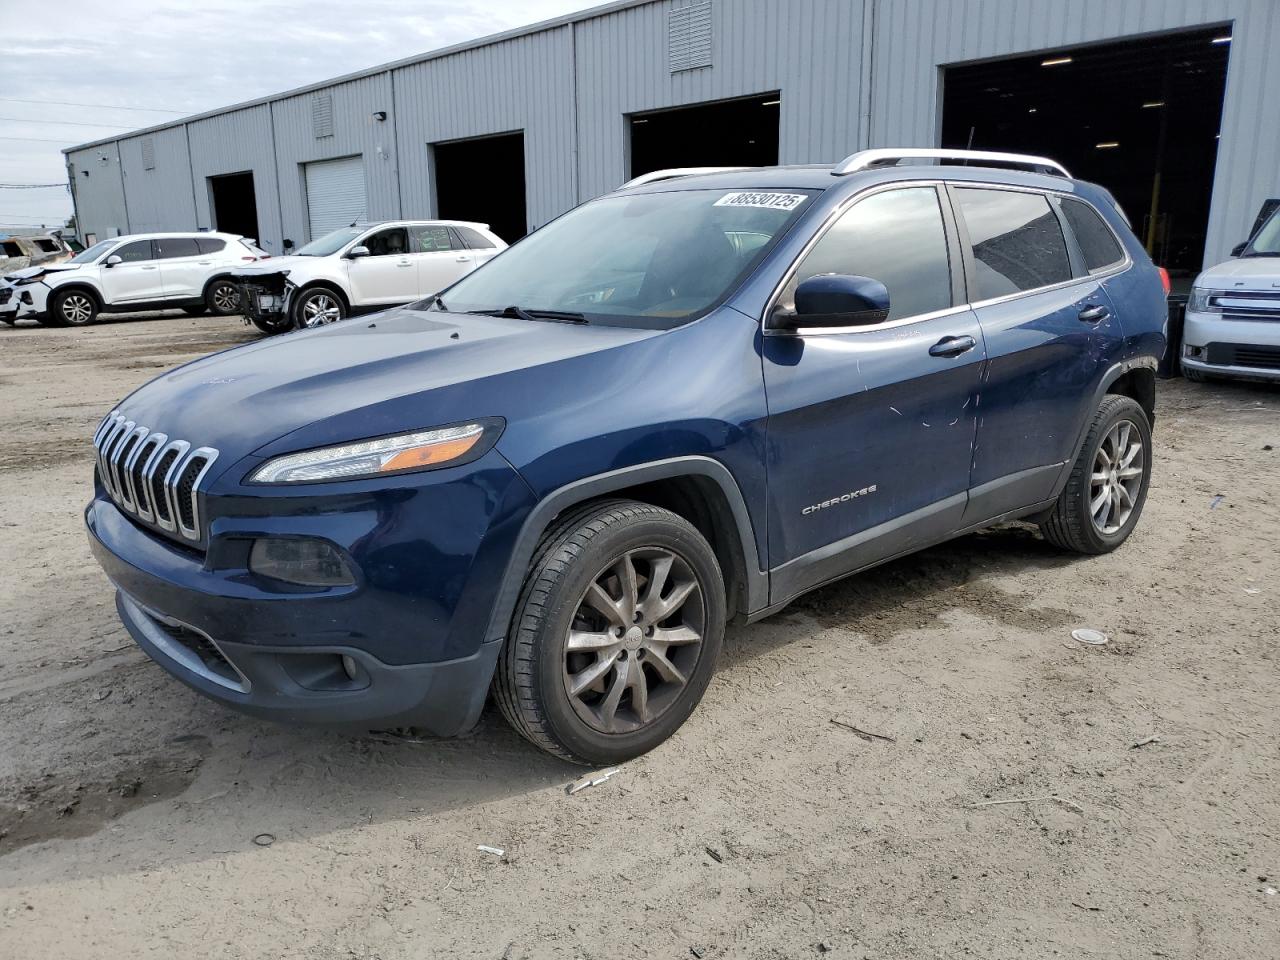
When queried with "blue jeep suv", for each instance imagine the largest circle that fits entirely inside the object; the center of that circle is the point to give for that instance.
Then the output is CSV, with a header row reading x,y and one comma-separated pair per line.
x,y
687,401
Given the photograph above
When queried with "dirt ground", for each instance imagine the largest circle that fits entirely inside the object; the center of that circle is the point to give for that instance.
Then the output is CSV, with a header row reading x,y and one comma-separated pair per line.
x,y
129,806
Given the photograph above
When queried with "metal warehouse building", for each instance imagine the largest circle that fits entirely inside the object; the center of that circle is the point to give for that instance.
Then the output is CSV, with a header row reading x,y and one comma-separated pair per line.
x,y
1170,103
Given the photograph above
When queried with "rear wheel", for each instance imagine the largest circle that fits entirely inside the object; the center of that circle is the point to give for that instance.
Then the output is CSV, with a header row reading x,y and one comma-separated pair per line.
x,y
317,307
72,308
616,634
1104,496
222,298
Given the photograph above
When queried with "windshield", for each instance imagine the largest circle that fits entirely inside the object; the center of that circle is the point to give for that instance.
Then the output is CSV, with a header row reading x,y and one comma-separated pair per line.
x,y
93,253
1267,241
330,242
653,260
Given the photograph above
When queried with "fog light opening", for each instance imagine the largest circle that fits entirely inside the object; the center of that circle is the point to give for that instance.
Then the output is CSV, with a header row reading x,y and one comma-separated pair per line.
x,y
301,561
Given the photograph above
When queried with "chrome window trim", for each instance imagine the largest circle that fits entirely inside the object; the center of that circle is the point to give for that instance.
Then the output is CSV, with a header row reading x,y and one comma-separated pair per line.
x,y
848,203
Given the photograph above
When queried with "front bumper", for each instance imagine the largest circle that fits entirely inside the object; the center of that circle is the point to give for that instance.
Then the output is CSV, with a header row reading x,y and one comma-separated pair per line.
x,y
27,300
1232,346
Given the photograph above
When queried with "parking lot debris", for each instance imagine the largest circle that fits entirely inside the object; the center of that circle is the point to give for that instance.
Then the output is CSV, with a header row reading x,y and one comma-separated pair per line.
x,y
1218,498
866,735
698,952
1050,799
264,839
496,851
590,780
1155,738
1095,638
714,854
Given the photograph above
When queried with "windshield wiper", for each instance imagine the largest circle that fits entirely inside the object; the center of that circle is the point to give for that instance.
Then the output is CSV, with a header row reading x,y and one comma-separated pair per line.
x,y
520,313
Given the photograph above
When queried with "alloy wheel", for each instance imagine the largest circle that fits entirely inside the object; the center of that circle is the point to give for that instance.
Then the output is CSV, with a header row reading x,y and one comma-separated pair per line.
x,y
226,298
319,309
634,641
76,308
1116,479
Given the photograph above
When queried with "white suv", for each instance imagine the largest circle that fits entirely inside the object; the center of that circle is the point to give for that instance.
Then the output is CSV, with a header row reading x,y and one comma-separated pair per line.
x,y
365,265
149,271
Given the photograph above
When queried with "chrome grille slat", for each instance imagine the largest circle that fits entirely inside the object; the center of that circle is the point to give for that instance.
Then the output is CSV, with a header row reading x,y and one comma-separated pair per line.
x,y
130,456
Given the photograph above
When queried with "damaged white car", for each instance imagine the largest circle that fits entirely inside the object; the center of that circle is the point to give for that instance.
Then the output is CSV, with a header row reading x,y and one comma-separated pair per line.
x,y
363,266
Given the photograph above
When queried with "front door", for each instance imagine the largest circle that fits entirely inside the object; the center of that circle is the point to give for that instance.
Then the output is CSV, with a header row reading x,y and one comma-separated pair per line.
x,y
388,275
136,278
1047,325
440,259
870,433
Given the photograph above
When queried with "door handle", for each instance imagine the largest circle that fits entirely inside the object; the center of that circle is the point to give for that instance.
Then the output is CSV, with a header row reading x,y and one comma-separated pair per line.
x,y
204,263
152,267
404,263
1094,313
463,259
952,346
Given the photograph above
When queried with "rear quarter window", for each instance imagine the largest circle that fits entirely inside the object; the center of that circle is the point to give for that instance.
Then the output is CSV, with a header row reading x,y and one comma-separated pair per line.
x,y
1097,242
474,239
1016,239
210,244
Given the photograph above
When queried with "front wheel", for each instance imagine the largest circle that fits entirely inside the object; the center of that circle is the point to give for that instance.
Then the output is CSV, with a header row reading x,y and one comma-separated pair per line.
x,y
222,298
72,308
1104,496
616,634
317,307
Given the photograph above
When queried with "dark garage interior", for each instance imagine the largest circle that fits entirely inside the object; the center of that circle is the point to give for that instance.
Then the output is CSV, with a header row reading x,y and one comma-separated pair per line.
x,y
482,180
1139,117
742,132
235,206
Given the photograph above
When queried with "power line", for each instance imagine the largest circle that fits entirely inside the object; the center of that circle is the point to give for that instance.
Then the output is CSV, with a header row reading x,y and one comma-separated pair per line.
x,y
37,140
66,123
29,186
95,106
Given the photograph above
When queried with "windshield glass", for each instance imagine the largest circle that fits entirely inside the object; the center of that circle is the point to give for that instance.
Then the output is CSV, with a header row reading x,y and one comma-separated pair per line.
x,y
330,242
652,260
1267,242
93,253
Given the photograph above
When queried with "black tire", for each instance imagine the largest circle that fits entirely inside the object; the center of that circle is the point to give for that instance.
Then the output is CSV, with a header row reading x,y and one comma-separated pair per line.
x,y
1071,524
1195,376
272,326
531,684
222,298
11,321
199,311
304,307
72,308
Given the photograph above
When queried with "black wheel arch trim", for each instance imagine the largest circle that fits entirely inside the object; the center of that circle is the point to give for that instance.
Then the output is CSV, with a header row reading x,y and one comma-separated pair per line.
x,y
1114,373
306,288
82,288
564,498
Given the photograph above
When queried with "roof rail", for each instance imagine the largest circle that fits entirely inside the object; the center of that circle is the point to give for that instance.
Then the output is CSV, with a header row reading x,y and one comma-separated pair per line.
x,y
866,159
671,174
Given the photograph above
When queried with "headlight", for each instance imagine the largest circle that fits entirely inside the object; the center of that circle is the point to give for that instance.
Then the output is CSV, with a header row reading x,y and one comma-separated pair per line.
x,y
1198,302
424,450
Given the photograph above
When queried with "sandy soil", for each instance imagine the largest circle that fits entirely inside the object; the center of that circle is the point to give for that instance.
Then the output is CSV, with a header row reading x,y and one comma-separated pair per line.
x,y
129,806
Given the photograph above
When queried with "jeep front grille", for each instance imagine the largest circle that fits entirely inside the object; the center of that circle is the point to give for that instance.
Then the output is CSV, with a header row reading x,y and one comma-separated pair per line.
x,y
153,478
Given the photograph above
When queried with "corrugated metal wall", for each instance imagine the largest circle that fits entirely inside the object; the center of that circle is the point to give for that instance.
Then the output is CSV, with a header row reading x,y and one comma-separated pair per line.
x,y
158,198
524,84
355,133
913,38
852,73
99,197
233,143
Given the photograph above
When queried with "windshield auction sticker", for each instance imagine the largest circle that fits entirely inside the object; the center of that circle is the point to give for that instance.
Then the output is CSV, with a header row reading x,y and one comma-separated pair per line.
x,y
769,201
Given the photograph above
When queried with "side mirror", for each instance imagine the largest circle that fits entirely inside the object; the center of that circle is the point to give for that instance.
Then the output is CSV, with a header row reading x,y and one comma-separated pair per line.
x,y
112,260
359,250
839,300
1239,248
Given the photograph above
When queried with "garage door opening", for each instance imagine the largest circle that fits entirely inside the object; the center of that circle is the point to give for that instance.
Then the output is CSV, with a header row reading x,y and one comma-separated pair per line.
x,y
235,205
1139,117
727,133
482,179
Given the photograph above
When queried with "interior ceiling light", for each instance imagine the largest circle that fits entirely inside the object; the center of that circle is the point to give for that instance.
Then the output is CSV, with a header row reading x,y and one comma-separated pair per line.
x,y
1226,39
1151,104
771,103
1108,145
1032,109
1056,61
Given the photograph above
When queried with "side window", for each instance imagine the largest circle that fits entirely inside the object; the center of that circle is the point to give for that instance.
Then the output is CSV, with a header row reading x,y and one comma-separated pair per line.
x,y
210,244
1017,242
387,243
11,249
167,248
1097,242
896,237
47,246
429,239
135,252
474,239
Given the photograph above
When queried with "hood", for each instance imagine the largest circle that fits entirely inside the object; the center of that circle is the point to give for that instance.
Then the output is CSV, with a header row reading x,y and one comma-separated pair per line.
x,y
362,377
34,273
1246,273
266,268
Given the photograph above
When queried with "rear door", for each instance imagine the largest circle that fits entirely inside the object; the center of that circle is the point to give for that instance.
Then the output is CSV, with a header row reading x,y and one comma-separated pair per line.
x,y
183,268
440,256
1048,327
870,433
136,278
482,248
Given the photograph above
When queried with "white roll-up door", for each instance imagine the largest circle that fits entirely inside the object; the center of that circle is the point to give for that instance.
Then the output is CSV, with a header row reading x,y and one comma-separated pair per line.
x,y
335,194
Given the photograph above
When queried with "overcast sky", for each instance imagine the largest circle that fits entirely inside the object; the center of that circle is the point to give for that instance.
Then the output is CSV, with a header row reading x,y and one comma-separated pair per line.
x,y
183,57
